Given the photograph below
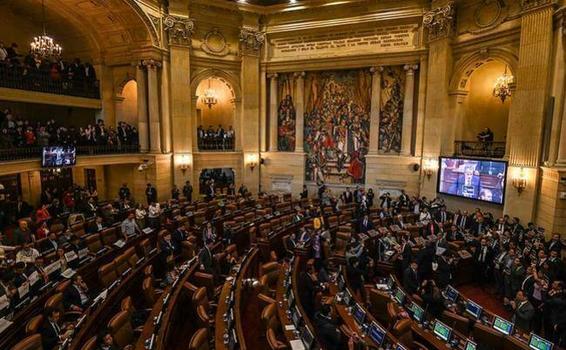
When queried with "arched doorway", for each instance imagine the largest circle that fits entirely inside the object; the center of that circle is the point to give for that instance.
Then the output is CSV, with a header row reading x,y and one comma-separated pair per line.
x,y
127,109
216,114
474,106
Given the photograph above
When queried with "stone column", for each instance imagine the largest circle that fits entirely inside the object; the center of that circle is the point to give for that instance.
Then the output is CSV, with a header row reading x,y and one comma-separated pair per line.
x,y
375,109
153,106
179,28
439,22
263,111
527,112
143,132
165,111
251,43
421,105
300,111
408,108
558,147
273,112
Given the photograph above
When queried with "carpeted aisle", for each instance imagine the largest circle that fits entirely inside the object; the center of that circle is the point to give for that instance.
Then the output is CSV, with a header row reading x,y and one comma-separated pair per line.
x,y
486,298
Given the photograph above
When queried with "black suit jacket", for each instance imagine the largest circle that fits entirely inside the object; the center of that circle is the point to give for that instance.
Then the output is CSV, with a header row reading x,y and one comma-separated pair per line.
x,y
365,228
330,336
206,259
411,281
71,296
49,336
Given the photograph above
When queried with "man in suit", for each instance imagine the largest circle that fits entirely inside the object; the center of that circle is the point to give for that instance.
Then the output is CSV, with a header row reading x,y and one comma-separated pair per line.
x,y
411,281
188,191
479,227
406,255
50,244
327,328
524,312
97,225
482,259
206,259
365,225
23,209
150,194
348,197
464,221
555,244
442,216
444,270
179,236
124,192
166,247
51,332
75,297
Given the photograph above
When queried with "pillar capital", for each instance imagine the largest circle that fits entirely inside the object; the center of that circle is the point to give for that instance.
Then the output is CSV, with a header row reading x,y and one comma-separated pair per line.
x,y
179,29
272,76
376,70
150,64
300,75
529,5
251,40
411,68
440,21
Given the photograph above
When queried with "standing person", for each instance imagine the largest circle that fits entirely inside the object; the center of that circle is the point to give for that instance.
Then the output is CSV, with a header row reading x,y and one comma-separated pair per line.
x,y
150,193
524,312
305,192
124,192
188,191
175,193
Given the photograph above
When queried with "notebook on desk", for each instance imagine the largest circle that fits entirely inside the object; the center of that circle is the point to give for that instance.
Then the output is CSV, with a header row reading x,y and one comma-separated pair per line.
x,y
297,344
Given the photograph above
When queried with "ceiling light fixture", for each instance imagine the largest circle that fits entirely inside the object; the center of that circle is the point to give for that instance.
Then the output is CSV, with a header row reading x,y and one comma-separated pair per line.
x,y
502,88
43,46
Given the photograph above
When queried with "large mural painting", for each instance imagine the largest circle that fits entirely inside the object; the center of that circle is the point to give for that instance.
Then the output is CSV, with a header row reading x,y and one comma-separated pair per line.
x,y
391,109
337,119
286,115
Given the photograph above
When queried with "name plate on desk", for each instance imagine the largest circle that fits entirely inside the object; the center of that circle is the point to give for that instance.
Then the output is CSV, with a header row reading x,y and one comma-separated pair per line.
x,y
83,253
4,323
464,254
53,267
71,256
147,230
23,290
33,278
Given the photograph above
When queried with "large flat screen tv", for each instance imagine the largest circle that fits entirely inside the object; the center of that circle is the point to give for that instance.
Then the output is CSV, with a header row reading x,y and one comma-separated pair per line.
x,y
58,156
478,179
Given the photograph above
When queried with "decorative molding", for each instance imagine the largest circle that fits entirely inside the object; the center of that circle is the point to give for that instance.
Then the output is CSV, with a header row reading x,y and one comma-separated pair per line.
x,y
528,5
411,68
251,40
272,75
180,30
214,43
150,63
156,21
376,70
299,75
440,21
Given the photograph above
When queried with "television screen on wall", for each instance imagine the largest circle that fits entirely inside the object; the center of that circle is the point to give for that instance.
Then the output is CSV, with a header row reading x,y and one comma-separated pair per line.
x,y
477,179
58,156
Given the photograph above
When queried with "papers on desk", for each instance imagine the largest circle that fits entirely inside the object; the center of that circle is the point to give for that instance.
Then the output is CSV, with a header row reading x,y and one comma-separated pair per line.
x,y
83,253
51,268
68,273
120,243
4,302
71,256
4,323
33,278
23,290
147,230
297,344
440,251
464,254
289,327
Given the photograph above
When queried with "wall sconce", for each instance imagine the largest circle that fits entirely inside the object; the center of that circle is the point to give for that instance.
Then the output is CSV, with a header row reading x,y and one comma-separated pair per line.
x,y
184,163
429,167
519,181
252,160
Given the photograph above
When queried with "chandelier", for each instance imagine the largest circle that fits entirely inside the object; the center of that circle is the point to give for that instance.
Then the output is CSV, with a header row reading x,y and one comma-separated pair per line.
x,y
43,46
209,97
502,88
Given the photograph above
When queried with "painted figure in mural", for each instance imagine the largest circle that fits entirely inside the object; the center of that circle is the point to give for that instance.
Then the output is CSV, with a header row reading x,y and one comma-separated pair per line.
x,y
286,116
391,110
337,126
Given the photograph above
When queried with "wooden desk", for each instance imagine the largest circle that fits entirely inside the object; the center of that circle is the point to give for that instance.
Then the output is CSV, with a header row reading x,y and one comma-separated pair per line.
x,y
103,312
283,306
89,272
246,270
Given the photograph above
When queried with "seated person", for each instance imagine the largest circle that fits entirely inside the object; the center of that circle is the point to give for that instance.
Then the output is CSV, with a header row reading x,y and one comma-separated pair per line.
x,y
327,328
106,342
52,332
50,244
27,254
76,297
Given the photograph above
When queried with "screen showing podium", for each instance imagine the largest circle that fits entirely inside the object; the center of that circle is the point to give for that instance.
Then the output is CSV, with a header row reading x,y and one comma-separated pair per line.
x,y
502,325
442,331
539,343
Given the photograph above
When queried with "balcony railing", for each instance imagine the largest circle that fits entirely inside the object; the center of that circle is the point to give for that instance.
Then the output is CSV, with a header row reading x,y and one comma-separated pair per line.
x,y
34,152
19,78
480,149
216,144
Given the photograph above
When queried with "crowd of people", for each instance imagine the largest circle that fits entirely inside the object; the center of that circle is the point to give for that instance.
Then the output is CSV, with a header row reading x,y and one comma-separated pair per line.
x,y
16,131
217,139
45,74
